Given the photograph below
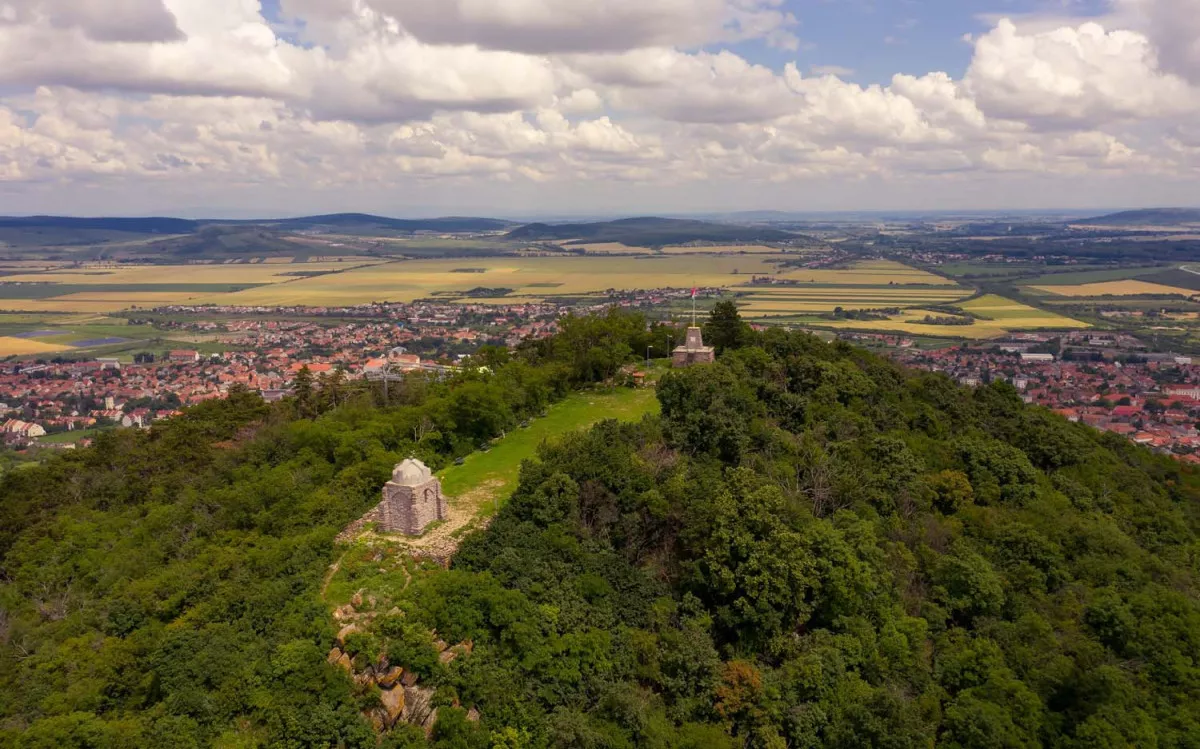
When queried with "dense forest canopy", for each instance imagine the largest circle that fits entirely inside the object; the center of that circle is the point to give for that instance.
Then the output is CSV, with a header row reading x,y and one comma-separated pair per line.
x,y
810,547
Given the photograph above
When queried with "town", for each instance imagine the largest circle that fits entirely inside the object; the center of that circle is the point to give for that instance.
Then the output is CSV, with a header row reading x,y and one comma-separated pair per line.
x,y
59,403
1107,381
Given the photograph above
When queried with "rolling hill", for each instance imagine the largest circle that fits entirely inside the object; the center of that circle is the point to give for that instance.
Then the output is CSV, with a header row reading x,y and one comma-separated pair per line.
x,y
362,222
1148,217
648,232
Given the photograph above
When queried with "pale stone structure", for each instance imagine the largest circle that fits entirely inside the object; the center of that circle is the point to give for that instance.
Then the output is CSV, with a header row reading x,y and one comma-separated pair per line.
x,y
693,351
411,500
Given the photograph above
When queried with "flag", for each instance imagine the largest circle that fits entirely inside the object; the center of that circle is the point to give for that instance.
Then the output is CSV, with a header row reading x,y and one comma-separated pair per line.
x,y
693,292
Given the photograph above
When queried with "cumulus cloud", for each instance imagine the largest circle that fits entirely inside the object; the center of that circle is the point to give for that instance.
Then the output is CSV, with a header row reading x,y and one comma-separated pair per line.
x,y
98,20
210,93
1073,74
1174,28
562,26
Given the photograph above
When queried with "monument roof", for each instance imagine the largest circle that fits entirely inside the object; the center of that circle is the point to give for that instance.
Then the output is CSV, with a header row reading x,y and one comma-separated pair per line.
x,y
411,472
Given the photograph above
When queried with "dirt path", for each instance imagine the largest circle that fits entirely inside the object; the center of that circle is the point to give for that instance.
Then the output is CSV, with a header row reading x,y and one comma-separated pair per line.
x,y
440,543
463,516
333,570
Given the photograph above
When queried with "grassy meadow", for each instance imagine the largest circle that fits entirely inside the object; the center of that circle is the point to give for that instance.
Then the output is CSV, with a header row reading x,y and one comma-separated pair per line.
x,y
497,469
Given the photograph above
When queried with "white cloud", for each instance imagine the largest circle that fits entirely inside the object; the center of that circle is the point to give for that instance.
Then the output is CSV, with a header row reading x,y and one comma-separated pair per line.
x,y
1174,28
1073,74
488,95
563,26
98,20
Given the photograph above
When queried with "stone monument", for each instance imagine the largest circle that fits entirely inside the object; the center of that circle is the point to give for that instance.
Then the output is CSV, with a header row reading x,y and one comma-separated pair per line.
x,y
411,500
693,350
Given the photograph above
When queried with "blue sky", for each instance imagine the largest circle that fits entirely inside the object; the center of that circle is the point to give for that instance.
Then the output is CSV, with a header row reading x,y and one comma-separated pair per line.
x,y
880,39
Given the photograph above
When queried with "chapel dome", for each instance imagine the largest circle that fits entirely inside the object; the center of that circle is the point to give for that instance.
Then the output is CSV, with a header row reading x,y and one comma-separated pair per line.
x,y
411,472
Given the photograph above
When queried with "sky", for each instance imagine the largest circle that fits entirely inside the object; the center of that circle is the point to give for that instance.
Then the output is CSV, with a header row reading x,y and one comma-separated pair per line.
x,y
239,108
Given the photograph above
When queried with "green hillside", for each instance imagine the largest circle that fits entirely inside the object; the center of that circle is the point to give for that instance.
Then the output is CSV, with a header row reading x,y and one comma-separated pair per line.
x,y
808,547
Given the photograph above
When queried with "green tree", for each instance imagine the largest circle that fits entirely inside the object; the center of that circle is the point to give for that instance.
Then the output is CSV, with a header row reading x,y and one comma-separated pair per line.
x,y
725,330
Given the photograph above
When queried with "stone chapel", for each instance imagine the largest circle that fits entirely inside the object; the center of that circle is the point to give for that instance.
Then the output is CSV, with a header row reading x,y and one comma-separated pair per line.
x,y
411,500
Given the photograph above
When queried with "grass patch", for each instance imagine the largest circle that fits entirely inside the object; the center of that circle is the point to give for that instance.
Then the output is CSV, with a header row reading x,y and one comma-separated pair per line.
x,y
499,468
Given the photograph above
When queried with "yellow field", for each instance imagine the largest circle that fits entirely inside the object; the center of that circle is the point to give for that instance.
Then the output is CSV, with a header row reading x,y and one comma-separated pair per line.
x,y
179,274
1114,288
19,346
58,305
875,272
533,276
499,300
867,284
748,249
848,292
140,298
1007,316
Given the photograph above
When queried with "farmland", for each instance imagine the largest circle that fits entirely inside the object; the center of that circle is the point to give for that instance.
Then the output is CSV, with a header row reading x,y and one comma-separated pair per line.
x,y
766,283
1128,287
994,316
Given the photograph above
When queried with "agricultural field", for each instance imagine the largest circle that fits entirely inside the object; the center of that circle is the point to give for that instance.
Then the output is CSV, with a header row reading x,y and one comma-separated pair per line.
x,y
110,288
1005,316
88,335
527,276
868,273
607,248
13,346
1129,287
734,249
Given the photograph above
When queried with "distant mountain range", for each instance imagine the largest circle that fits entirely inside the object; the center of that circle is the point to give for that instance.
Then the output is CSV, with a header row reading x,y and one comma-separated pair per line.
x,y
1148,217
155,238
647,232
353,221
360,221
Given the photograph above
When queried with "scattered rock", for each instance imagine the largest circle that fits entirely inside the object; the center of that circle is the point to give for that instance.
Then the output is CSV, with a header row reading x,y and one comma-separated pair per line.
x,y
440,645
345,662
345,632
356,600
446,656
379,719
418,707
393,704
409,678
391,677
371,600
334,654
473,714
395,611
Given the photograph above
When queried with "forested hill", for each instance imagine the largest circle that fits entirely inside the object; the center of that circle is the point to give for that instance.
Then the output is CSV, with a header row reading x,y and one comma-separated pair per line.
x,y
650,232
1148,217
809,548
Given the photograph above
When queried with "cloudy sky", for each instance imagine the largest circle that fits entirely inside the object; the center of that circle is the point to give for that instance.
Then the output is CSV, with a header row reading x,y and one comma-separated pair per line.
x,y
525,107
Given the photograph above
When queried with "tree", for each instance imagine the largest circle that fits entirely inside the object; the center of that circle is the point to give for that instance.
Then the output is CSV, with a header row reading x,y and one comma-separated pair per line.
x,y
304,391
725,328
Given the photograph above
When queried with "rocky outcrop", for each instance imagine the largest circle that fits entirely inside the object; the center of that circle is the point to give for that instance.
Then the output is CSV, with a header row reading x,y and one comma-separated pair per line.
x,y
401,698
